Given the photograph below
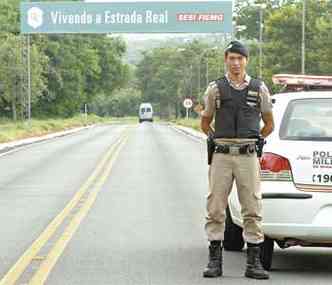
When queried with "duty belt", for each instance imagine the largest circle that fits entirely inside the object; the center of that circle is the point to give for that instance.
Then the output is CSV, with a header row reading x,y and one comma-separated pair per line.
x,y
235,149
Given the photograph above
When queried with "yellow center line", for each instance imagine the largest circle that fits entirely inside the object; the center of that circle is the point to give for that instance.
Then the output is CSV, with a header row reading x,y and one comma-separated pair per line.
x,y
47,265
23,262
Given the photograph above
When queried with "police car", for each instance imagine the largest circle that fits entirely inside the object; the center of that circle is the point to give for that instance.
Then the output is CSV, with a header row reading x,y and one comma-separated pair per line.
x,y
296,170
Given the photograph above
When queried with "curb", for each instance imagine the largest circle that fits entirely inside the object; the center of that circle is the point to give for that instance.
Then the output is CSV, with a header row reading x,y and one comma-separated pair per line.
x,y
7,147
189,132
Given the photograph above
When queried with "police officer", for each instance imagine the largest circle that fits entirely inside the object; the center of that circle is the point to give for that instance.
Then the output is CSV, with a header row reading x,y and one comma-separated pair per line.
x,y
237,103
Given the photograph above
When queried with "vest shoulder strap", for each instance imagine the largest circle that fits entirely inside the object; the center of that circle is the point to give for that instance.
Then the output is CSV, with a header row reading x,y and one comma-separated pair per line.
x,y
222,84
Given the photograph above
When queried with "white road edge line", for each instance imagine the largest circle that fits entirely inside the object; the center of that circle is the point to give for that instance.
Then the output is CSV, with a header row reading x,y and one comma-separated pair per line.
x,y
200,140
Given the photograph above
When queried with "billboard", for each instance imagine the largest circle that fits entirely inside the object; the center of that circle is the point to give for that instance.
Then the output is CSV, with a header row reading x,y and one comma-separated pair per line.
x,y
127,17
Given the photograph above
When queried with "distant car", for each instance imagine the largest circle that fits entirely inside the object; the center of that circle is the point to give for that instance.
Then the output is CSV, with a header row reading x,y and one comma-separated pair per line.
x,y
296,177
145,112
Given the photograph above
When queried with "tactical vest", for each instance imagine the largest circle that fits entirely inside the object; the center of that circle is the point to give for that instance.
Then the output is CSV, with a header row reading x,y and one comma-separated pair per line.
x,y
237,111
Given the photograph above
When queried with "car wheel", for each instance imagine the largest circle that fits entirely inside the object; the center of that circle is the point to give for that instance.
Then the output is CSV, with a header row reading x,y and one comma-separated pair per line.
x,y
267,253
233,240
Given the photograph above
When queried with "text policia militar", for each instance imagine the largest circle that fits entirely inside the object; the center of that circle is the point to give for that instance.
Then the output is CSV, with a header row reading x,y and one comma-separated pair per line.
x,y
109,17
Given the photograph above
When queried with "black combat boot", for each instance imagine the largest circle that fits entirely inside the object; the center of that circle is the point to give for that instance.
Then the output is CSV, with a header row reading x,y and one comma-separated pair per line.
x,y
254,267
214,267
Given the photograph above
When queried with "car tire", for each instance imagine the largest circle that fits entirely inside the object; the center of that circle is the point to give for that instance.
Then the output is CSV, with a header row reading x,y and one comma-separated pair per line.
x,y
233,239
267,253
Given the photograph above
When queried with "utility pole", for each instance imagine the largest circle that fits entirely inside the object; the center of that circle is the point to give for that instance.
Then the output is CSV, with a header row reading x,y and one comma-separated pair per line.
x,y
261,42
207,67
199,77
198,58
303,36
191,80
261,8
207,71
24,77
29,80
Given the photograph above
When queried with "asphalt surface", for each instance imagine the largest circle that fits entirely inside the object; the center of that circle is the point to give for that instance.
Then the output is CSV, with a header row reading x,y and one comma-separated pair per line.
x,y
146,225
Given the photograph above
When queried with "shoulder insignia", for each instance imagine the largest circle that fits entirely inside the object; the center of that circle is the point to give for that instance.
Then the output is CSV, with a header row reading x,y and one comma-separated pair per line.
x,y
213,84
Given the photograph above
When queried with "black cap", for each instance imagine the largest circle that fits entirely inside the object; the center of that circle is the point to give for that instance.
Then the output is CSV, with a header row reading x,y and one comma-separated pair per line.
x,y
237,47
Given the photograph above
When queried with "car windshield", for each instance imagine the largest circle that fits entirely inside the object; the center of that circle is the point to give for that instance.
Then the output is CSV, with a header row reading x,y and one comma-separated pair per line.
x,y
308,119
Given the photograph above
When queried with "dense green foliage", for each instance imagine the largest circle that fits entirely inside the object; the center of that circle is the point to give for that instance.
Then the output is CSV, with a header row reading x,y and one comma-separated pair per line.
x,y
67,71
168,75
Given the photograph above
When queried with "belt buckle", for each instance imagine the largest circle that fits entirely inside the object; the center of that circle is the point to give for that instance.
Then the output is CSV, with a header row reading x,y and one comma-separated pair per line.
x,y
234,150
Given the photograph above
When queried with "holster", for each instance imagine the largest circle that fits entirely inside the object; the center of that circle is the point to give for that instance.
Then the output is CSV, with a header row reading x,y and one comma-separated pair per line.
x,y
210,147
260,145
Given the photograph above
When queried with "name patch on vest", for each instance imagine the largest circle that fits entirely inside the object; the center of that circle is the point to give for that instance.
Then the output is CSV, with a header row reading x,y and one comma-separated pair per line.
x,y
253,99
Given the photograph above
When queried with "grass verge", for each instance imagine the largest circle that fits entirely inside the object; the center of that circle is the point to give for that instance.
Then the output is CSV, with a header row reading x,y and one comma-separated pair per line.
x,y
190,123
10,130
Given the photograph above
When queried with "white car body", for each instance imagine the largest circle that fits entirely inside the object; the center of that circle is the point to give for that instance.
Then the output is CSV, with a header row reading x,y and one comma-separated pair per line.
x,y
297,209
145,112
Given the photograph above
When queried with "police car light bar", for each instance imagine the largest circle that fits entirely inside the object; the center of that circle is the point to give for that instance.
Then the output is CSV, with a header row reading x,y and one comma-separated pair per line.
x,y
302,80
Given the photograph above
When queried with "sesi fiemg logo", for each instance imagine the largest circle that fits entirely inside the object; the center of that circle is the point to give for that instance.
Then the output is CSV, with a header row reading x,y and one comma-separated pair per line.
x,y
35,17
200,17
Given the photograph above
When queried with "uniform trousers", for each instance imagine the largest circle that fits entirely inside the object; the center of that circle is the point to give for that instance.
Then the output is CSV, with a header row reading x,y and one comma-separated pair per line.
x,y
244,169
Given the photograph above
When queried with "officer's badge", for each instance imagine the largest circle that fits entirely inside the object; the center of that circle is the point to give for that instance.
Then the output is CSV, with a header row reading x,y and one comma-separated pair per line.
x,y
229,46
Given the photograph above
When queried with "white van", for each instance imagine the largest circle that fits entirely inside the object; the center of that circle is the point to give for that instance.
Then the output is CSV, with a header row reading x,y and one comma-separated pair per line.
x,y
145,112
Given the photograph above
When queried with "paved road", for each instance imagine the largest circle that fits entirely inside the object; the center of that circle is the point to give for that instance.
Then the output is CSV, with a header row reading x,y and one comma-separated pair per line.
x,y
139,220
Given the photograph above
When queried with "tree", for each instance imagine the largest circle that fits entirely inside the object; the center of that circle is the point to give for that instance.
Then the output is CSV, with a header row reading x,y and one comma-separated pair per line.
x,y
81,67
9,17
167,75
67,71
11,70
283,38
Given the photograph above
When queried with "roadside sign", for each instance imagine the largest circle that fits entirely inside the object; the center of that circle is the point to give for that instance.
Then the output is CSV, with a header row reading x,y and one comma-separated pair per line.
x,y
200,16
187,103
